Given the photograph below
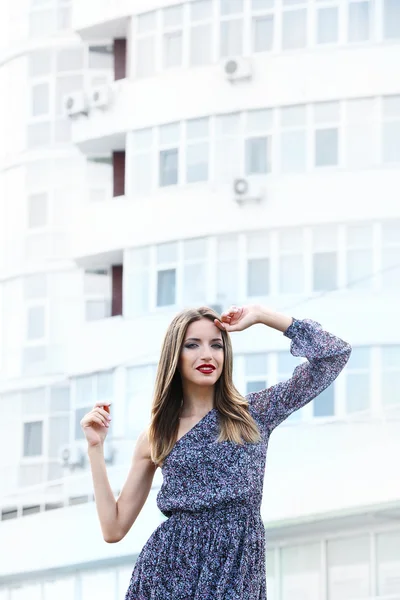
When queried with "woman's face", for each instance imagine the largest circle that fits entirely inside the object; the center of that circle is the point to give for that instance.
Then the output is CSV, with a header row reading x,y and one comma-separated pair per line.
x,y
202,345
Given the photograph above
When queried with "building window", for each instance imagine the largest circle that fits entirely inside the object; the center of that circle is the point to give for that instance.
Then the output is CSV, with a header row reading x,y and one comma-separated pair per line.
x,y
167,259
40,99
166,287
391,19
194,271
359,257
391,129
36,326
146,44
172,18
327,25
169,154
357,380
388,562
359,21
256,368
33,438
38,210
349,567
262,25
390,376
258,143
361,133
227,269
324,258
291,269
136,281
142,167
197,151
258,264
97,293
293,139
391,255
140,382
301,571
169,167
326,118
231,28
201,32
294,25
227,147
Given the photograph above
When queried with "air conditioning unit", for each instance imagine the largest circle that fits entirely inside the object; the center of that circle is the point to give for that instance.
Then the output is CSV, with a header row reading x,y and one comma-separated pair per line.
x,y
75,104
100,97
237,69
246,190
72,456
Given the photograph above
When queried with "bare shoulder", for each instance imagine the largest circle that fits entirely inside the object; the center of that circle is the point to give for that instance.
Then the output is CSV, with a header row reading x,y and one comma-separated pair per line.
x,y
142,447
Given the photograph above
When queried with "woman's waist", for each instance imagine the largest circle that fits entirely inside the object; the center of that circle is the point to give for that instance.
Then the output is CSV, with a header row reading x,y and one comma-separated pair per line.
x,y
224,511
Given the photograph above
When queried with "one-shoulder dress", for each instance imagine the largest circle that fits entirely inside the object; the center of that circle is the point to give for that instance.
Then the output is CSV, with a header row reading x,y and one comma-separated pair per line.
x,y
212,545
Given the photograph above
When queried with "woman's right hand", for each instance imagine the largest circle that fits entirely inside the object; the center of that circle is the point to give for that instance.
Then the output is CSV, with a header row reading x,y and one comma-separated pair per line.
x,y
95,424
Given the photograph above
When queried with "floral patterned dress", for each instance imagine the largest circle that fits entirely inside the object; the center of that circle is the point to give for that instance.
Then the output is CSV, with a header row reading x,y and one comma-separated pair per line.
x,y
212,546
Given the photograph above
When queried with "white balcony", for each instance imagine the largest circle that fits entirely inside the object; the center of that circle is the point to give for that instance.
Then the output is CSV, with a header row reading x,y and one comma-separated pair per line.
x,y
101,19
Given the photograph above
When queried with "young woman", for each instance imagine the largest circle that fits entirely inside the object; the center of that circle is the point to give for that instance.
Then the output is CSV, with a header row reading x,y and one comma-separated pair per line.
x,y
210,443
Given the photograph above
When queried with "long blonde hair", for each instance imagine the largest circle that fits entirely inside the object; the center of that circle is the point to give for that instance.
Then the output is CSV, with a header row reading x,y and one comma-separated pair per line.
x,y
236,423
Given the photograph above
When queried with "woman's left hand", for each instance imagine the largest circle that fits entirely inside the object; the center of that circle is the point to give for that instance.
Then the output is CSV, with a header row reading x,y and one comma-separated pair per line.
x,y
238,318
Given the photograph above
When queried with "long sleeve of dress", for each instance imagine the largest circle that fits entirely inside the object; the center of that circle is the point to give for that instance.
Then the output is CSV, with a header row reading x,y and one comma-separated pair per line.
x,y
326,357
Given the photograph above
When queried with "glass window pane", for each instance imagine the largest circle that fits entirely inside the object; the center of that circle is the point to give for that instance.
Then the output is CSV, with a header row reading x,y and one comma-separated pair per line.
x,y
197,128
327,25
197,162
166,287
256,386
70,59
287,363
194,284
390,388
195,249
172,16
324,403
258,277
147,22
231,38
294,29
263,33
200,9
37,210
391,142
167,253
227,159
35,286
391,269
301,571
294,116
39,63
138,292
262,4
258,154
33,434
255,364
360,358
388,561
326,112
142,173
291,274
259,120
391,233
38,134
227,278
391,356
40,99
357,392
326,147
391,17
229,7
169,134
293,151
36,323
172,49
360,269
200,45
258,243
324,271
349,568
143,139
168,167
145,57
359,26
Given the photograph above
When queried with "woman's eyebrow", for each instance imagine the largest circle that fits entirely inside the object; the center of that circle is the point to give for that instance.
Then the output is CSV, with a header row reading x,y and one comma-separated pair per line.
x,y
199,340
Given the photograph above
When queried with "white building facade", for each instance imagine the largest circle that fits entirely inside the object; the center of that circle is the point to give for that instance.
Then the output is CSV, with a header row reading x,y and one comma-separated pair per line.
x,y
165,155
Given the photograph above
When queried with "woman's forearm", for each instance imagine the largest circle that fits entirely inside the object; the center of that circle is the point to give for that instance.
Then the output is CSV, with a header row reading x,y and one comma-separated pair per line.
x,y
106,503
273,319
